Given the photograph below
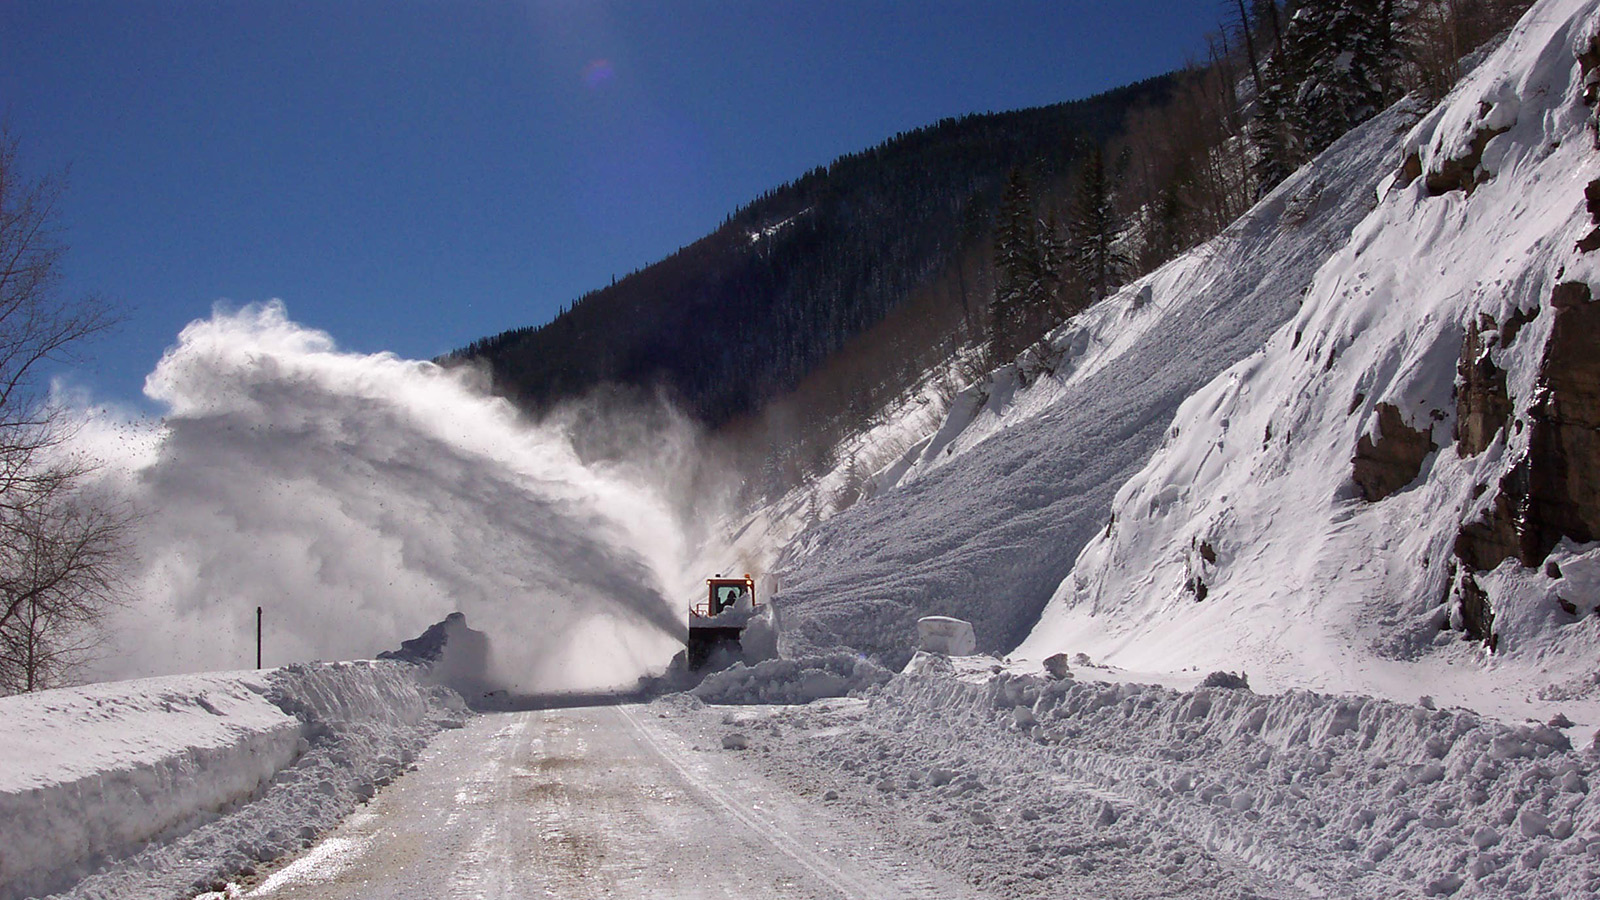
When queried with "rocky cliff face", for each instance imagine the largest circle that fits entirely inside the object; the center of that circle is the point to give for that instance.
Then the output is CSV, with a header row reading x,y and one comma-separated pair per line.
x,y
1553,491
1564,447
1482,405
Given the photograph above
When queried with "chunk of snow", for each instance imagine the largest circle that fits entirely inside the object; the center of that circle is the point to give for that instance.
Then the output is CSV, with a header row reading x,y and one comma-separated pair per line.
x,y
1230,680
1055,665
759,640
799,680
1532,823
943,634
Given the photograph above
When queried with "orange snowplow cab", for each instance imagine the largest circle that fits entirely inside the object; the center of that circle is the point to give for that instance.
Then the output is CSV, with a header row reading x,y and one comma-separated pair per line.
x,y
708,628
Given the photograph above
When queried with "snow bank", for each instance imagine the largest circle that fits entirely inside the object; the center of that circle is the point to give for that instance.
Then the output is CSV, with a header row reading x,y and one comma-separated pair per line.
x,y
799,680
1037,787
94,772
450,653
160,786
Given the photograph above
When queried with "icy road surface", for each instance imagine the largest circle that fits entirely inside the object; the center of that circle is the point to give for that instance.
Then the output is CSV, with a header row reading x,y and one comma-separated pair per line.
x,y
595,802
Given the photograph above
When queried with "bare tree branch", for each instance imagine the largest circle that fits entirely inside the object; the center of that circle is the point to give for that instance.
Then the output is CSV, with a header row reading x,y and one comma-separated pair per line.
x,y
62,547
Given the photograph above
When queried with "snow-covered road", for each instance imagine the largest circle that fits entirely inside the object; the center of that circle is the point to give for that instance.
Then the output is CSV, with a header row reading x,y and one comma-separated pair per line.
x,y
595,802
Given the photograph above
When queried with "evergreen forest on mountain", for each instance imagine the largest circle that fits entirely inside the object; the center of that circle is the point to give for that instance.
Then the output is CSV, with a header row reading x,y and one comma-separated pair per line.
x,y
955,247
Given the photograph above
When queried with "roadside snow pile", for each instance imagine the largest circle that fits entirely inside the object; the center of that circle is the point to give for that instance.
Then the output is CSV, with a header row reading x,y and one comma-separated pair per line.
x,y
976,668
799,680
196,776
450,653
1396,469
94,772
1035,787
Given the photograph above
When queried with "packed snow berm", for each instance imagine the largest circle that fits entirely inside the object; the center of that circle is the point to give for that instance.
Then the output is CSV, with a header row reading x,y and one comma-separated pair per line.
x,y
162,787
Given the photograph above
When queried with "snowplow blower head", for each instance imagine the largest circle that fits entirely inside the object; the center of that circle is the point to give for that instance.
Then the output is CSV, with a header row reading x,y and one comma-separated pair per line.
x,y
716,626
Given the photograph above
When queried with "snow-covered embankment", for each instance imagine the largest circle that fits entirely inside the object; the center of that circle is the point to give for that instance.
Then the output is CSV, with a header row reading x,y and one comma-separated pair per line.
x,y
164,784
1400,465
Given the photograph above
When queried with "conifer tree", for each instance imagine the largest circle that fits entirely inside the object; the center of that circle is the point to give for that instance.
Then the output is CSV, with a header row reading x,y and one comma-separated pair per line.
x,y
1278,142
1093,229
1248,34
1015,250
1164,224
1333,71
1349,55
1265,14
1050,303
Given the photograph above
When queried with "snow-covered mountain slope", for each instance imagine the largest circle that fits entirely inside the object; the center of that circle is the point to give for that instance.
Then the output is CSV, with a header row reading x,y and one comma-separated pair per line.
x,y
989,514
1323,513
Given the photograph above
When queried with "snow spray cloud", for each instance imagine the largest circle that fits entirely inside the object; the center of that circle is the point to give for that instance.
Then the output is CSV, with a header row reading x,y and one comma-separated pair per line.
x,y
358,499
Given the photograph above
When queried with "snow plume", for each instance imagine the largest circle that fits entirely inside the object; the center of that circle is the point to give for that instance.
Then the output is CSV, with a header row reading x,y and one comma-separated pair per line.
x,y
358,499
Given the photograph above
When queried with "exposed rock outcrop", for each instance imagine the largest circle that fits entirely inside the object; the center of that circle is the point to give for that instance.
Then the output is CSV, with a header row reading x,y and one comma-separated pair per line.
x,y
1482,543
1464,173
1392,459
1591,201
1482,404
1477,616
1410,170
1554,490
1589,65
1564,446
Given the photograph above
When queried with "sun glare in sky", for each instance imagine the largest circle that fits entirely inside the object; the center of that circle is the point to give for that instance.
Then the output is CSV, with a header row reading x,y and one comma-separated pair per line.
x,y
598,73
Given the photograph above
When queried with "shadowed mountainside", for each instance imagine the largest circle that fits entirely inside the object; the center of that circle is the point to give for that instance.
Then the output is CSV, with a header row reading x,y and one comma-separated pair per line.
x,y
744,314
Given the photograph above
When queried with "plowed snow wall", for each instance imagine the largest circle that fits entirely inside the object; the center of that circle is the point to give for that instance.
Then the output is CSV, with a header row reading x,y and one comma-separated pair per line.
x,y
1343,795
91,775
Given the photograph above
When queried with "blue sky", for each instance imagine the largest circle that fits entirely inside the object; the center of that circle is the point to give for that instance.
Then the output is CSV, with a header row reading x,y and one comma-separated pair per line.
x,y
413,175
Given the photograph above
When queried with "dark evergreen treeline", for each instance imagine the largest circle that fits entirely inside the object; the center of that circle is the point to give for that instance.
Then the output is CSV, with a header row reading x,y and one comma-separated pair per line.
x,y
1337,63
796,323
745,313
1282,82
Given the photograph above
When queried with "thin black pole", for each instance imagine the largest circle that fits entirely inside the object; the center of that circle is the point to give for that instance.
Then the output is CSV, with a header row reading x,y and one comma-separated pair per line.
x,y
258,637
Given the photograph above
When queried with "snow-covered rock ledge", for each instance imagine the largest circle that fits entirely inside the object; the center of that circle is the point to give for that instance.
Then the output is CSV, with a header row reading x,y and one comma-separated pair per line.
x,y
159,786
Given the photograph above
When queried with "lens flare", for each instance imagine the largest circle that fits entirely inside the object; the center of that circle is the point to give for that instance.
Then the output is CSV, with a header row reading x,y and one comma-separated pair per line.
x,y
598,73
